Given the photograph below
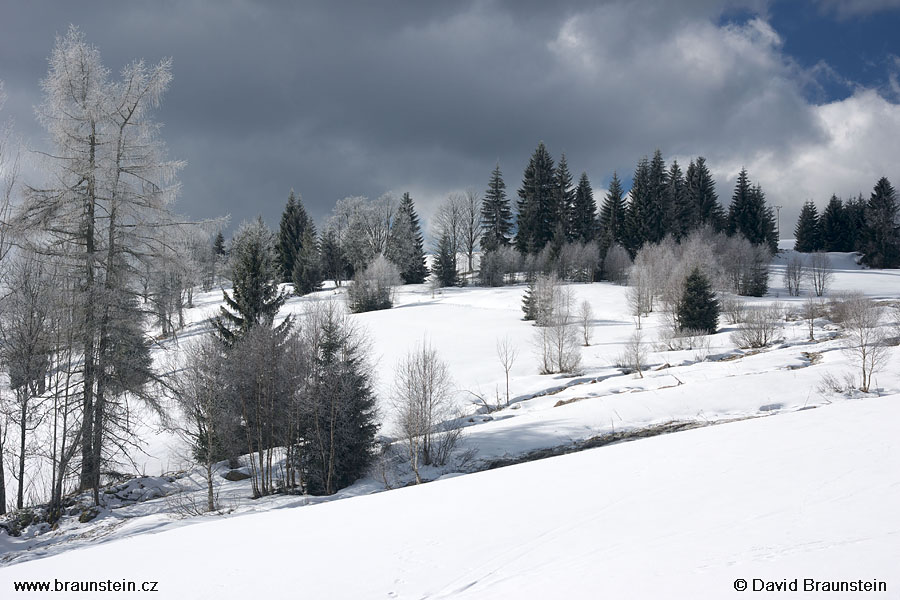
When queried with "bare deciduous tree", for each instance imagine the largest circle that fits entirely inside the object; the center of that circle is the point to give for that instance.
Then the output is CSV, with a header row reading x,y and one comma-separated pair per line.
x,y
426,414
759,326
471,226
820,272
866,337
507,353
586,320
634,356
793,274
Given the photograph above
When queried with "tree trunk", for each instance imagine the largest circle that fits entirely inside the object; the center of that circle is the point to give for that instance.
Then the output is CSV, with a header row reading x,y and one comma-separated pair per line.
x,y
23,429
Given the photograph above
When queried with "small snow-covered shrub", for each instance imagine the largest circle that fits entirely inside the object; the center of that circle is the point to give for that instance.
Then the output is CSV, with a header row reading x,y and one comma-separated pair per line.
x,y
759,327
373,289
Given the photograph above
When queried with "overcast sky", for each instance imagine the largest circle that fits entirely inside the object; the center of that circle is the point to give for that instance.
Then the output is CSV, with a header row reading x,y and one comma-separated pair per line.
x,y
335,99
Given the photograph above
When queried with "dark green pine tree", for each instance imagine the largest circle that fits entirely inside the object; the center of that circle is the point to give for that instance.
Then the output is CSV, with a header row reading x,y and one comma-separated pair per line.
x,y
307,274
219,244
405,244
496,214
705,210
637,214
855,220
612,215
344,408
294,222
255,298
698,309
808,233
536,206
882,232
834,226
658,211
444,266
583,223
529,303
335,265
679,217
749,215
564,198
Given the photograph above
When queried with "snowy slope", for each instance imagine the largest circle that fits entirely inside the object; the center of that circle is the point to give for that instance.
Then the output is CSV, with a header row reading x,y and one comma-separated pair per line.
x,y
806,494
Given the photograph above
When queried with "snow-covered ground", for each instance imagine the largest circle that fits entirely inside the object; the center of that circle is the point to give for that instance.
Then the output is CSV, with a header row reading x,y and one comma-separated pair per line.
x,y
798,493
811,494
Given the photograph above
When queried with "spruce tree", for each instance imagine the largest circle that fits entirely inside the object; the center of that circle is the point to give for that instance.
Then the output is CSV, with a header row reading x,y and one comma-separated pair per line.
x,y
882,230
445,263
808,234
583,224
612,215
335,265
657,209
679,216
496,214
705,210
219,244
638,213
536,206
698,309
834,227
307,274
255,298
294,222
855,220
405,244
338,429
564,198
750,216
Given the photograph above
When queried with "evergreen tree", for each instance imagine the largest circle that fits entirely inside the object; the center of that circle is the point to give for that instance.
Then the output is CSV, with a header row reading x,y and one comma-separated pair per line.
x,y
307,274
882,230
564,198
338,428
855,220
536,204
496,215
583,224
750,216
335,265
294,222
219,244
835,234
255,298
657,209
679,218
698,309
612,215
405,246
445,263
637,214
529,302
704,208
808,234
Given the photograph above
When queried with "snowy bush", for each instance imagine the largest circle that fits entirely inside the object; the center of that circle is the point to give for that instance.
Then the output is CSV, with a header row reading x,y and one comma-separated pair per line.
x,y
373,289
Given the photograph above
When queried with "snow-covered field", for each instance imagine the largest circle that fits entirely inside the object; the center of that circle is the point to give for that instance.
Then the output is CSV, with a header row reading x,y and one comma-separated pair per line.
x,y
798,493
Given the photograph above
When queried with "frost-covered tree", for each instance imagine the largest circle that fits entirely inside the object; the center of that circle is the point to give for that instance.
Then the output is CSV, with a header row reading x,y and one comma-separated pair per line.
x,y
107,200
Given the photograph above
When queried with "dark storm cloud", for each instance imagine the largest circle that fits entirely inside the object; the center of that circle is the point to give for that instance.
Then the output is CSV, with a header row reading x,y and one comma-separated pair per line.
x,y
337,99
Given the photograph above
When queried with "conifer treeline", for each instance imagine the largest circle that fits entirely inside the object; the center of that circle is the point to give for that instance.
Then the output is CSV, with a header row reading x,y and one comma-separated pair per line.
x,y
869,227
663,201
